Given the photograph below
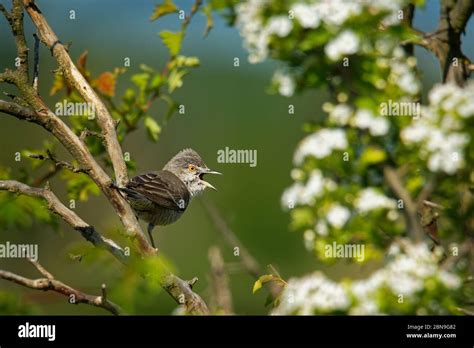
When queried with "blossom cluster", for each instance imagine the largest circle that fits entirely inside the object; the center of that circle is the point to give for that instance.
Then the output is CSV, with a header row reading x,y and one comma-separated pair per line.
x,y
411,272
439,131
258,28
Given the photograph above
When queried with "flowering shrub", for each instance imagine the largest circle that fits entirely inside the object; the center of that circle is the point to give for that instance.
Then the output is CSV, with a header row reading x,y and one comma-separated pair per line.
x,y
376,155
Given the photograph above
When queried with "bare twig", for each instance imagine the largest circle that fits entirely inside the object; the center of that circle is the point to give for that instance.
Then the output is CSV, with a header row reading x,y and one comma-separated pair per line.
x,y
410,209
41,269
221,294
52,284
57,163
464,249
465,311
36,64
43,179
86,133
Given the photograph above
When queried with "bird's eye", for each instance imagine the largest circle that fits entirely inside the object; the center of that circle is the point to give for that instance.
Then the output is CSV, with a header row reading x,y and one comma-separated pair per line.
x,y
192,168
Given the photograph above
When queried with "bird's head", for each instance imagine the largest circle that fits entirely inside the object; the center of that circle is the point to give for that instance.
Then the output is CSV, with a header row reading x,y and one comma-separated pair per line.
x,y
190,168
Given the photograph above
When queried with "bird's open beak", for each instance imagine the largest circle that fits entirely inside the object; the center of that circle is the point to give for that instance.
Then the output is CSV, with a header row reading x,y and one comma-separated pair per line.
x,y
208,171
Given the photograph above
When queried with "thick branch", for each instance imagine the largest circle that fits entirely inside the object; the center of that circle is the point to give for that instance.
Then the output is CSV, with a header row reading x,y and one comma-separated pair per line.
x,y
52,284
75,78
446,42
17,110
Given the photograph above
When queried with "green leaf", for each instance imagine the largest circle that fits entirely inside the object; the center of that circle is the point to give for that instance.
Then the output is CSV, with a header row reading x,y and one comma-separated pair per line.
x,y
163,9
262,280
129,96
175,79
172,40
141,80
156,82
152,127
181,61
172,106
80,185
372,155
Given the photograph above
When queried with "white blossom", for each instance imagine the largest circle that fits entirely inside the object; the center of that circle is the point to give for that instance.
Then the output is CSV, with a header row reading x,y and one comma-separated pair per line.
x,y
321,228
450,280
340,114
300,193
280,26
346,43
338,215
309,237
409,268
307,15
320,144
438,131
370,199
286,85
365,119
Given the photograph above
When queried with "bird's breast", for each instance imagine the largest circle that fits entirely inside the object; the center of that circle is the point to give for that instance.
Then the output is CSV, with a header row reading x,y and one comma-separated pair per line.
x,y
159,216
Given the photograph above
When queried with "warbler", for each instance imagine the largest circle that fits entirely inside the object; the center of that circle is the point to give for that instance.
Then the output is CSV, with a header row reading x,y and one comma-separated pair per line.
x,y
161,197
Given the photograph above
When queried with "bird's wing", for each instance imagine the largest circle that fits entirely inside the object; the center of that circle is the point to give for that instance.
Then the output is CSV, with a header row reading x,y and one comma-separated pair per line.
x,y
162,188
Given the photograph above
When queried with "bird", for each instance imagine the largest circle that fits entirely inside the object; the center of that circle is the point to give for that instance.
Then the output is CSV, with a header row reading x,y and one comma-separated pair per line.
x,y
161,197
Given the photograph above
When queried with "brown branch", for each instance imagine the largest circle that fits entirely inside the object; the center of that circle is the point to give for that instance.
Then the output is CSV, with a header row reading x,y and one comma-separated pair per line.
x,y
465,311
446,42
69,216
57,163
41,269
36,64
41,180
75,79
464,249
49,283
410,208
221,294
17,110
15,19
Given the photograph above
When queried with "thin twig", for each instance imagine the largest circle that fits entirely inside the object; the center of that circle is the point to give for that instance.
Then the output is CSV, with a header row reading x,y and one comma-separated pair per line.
x,y
250,264
52,284
41,269
410,209
36,64
221,294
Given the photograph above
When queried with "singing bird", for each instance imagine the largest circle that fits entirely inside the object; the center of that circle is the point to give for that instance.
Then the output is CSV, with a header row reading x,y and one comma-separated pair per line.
x,y
161,197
